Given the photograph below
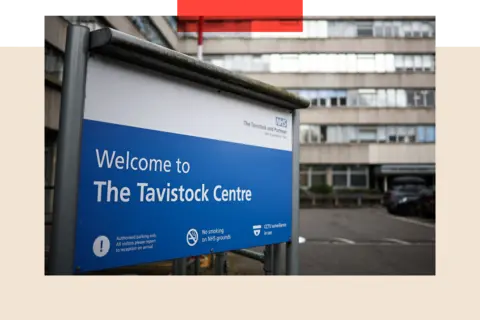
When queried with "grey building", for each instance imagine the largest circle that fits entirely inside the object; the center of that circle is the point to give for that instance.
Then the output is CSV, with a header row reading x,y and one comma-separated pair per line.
x,y
371,81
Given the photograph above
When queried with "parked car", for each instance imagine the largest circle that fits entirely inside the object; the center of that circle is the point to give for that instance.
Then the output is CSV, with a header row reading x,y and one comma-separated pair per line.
x,y
425,206
404,194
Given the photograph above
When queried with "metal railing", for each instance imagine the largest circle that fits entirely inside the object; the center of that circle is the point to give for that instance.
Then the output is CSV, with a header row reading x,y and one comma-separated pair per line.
x,y
341,200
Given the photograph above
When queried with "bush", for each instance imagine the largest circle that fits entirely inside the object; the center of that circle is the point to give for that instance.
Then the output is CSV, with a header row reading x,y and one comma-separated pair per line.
x,y
322,189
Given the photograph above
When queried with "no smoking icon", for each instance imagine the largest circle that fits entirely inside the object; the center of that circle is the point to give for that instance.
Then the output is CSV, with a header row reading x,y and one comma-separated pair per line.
x,y
192,237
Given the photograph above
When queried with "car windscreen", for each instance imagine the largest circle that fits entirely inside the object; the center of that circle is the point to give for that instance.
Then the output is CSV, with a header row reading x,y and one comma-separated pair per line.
x,y
409,187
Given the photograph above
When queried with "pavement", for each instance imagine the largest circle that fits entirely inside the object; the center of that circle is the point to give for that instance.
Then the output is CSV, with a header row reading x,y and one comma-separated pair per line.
x,y
366,241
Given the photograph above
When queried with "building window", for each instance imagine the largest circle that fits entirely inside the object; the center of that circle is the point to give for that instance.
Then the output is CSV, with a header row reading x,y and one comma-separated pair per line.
x,y
325,98
430,134
382,134
313,175
53,63
318,175
304,133
367,97
358,180
312,134
340,179
358,177
355,177
340,176
421,134
50,160
367,135
411,135
420,98
319,134
148,29
365,29
332,29
391,134
397,98
304,175
414,63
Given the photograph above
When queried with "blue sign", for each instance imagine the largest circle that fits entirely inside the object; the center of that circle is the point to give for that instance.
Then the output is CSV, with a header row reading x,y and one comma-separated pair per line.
x,y
149,195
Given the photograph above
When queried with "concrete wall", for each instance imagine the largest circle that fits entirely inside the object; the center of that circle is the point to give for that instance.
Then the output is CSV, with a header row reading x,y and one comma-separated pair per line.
x,y
349,115
56,31
52,107
347,80
335,45
368,153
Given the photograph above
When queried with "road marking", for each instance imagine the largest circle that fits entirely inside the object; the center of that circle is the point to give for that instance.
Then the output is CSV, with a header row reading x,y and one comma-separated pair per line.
x,y
420,223
408,220
384,243
397,241
344,240
389,244
302,240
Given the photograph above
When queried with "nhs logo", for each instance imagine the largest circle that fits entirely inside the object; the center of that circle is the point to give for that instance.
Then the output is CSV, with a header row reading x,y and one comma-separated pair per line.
x,y
281,122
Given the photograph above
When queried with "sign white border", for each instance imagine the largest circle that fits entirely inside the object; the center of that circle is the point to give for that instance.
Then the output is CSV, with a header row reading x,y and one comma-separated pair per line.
x,y
163,104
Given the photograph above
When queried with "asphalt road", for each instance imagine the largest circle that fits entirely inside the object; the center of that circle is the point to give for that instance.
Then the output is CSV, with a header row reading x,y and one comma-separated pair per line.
x,y
359,242
365,242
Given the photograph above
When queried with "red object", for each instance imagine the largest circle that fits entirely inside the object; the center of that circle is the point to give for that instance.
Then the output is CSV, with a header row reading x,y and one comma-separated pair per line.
x,y
241,16
200,31
245,8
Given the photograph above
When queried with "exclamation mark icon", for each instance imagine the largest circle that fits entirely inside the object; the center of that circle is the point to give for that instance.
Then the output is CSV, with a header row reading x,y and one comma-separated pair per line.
x,y
101,246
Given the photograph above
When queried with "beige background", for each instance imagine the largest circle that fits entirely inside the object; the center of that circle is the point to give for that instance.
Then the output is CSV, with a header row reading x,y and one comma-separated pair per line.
x,y
28,294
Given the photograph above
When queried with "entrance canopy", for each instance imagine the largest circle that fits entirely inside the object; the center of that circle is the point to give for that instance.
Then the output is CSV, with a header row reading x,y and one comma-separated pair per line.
x,y
405,169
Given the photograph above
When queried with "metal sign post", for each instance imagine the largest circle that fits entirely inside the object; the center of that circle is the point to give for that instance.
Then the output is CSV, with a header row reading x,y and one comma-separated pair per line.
x,y
146,171
64,223
292,245
277,259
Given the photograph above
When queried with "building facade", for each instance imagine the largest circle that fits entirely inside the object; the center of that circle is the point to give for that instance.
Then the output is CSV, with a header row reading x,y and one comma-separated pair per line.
x,y
370,80
371,83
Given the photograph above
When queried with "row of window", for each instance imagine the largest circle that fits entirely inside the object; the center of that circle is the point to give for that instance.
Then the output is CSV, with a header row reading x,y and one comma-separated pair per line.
x,y
325,63
342,176
315,29
368,97
320,134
